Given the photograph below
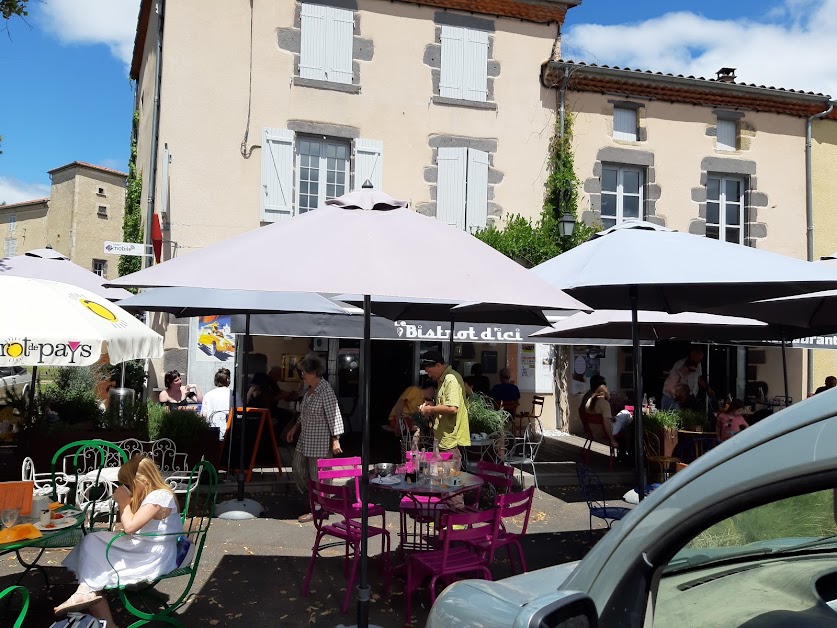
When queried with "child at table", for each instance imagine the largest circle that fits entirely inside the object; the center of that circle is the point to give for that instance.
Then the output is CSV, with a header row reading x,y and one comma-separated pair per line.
x,y
731,421
146,504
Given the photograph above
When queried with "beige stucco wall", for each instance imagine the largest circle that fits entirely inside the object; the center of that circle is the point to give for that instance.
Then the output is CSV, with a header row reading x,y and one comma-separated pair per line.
x,y
30,227
824,191
204,115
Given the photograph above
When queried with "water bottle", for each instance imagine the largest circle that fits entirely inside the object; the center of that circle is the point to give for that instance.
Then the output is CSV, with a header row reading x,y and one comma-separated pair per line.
x,y
422,468
412,469
436,467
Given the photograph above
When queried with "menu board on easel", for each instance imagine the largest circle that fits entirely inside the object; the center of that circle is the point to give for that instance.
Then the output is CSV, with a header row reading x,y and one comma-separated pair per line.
x,y
260,445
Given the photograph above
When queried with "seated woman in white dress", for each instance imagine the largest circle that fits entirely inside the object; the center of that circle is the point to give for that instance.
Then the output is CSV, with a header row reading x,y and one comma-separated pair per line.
x,y
146,504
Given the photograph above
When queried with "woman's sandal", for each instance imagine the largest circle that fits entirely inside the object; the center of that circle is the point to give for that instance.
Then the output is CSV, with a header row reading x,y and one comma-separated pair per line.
x,y
78,601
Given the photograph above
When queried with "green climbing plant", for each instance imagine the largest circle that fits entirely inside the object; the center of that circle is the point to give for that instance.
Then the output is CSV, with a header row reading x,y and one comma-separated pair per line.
x,y
132,222
531,242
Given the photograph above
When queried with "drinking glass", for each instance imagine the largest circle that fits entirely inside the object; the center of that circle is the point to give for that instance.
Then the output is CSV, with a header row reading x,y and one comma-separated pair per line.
x,y
9,517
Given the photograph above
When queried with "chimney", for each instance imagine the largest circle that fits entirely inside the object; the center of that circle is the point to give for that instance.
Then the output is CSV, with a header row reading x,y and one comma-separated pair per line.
x,y
725,75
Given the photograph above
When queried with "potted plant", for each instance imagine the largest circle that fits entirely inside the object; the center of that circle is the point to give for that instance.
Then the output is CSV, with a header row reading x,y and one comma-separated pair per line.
x,y
665,423
483,417
694,420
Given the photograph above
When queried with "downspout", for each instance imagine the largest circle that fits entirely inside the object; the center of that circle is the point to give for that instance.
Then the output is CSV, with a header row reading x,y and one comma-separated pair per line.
x,y
155,131
562,93
809,218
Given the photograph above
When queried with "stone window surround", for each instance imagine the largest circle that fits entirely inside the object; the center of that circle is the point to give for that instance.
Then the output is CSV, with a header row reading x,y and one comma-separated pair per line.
x,y
619,156
433,59
641,131
753,199
290,39
431,173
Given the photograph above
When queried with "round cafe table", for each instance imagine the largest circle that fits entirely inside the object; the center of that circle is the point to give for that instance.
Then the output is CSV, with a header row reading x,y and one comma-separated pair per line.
x,y
421,506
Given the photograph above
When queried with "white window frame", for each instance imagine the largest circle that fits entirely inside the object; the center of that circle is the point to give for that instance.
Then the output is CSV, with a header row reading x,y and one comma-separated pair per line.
x,y
100,268
10,247
625,124
12,223
726,134
620,193
464,64
322,171
723,202
327,39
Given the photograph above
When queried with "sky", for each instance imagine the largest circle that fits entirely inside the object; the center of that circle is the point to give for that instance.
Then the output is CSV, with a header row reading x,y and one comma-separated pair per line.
x,y
65,94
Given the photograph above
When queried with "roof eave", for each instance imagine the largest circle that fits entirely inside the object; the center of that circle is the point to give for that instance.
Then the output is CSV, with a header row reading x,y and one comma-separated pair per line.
x,y
139,39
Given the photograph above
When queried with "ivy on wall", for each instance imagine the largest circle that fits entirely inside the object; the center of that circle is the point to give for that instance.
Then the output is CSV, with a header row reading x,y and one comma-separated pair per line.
x,y
533,242
132,221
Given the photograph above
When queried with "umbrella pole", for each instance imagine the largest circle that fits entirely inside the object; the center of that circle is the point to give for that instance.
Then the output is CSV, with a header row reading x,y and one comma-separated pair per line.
x,y
785,368
639,461
30,408
365,378
244,405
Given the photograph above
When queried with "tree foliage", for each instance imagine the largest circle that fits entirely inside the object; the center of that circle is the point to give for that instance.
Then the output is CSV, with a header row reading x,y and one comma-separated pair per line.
x,y
132,220
533,242
8,8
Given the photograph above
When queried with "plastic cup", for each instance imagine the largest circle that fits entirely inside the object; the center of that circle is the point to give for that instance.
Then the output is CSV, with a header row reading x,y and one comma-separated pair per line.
x,y
45,517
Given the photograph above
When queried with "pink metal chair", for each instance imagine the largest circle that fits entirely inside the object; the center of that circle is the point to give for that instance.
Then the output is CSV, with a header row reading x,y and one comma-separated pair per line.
x,y
452,560
337,499
511,505
348,468
500,476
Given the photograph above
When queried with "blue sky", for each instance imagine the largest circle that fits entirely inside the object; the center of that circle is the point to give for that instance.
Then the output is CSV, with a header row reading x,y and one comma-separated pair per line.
x,y
67,97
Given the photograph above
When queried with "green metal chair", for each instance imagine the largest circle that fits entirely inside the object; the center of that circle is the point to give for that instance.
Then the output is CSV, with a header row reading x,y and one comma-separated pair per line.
x,y
8,592
196,516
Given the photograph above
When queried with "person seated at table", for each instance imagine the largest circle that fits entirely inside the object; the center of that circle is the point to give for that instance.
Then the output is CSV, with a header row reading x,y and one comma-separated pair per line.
x,y
481,383
146,504
830,382
218,401
684,400
408,404
596,401
177,394
732,421
506,391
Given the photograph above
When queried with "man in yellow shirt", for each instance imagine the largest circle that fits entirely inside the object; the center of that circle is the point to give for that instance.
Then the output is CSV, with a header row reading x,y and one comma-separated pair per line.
x,y
449,414
409,403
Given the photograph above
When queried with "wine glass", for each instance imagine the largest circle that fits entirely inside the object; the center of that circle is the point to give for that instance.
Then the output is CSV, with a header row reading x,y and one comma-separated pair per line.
x,y
9,517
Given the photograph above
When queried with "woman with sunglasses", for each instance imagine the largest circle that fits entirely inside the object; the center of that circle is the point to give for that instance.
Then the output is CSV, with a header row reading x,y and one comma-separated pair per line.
x,y
178,394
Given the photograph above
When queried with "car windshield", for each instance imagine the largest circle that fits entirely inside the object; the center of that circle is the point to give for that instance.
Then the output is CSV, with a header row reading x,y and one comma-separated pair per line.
x,y
793,524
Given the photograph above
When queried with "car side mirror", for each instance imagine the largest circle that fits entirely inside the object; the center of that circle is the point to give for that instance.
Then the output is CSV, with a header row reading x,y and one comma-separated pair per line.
x,y
575,610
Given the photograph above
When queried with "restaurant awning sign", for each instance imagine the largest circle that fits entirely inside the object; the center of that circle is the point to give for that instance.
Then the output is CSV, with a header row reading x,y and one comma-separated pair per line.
x,y
815,342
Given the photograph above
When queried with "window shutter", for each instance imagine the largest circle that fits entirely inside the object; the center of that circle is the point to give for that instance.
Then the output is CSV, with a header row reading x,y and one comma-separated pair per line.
x,y
624,124
340,27
477,196
313,49
476,65
450,186
725,135
277,174
12,222
452,79
164,185
369,163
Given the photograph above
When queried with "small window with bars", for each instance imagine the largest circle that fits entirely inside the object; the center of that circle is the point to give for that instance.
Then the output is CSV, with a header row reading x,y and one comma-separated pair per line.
x,y
100,267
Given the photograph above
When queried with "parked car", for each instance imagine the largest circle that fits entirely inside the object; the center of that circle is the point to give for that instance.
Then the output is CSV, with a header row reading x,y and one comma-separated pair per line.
x,y
14,378
744,536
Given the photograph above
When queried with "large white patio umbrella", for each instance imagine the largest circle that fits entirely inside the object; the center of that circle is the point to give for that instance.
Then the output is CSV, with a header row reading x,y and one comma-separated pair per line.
x,y
364,243
637,265
50,264
51,323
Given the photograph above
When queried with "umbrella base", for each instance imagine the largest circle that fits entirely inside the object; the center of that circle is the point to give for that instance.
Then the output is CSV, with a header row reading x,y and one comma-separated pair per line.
x,y
236,509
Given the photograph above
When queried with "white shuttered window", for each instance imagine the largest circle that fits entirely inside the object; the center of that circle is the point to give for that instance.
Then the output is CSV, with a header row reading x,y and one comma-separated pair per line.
x,y
12,222
462,187
726,133
624,124
277,191
10,248
464,72
369,163
326,48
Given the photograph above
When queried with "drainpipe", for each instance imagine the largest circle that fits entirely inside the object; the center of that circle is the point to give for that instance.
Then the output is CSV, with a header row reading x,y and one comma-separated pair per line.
x,y
562,98
155,131
809,217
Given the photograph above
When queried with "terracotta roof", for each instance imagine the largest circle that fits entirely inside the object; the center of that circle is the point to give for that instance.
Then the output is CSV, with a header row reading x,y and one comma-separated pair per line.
x,y
86,165
543,11
37,201
605,79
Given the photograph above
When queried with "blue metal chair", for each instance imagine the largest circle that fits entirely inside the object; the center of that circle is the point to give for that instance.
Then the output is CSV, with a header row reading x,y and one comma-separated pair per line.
x,y
593,491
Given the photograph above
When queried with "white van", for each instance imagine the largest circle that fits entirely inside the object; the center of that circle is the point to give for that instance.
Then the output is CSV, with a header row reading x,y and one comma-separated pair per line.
x,y
744,536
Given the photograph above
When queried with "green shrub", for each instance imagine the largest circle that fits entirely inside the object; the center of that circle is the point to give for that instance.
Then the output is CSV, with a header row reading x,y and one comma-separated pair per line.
x,y
179,425
482,416
72,394
694,420
663,420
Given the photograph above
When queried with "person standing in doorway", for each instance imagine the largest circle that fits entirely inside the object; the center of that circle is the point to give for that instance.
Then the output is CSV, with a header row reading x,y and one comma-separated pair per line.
x,y
687,371
449,415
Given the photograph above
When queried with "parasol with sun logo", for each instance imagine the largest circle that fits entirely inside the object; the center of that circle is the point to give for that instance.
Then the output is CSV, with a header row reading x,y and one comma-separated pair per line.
x,y
50,323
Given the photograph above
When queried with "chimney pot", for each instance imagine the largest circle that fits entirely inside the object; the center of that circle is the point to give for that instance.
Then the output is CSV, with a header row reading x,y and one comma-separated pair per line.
x,y
726,75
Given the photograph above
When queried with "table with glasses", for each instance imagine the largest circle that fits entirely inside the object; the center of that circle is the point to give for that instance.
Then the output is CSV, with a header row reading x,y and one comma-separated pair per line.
x,y
422,504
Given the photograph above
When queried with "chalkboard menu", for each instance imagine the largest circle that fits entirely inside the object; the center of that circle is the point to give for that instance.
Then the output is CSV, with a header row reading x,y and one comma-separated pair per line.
x,y
260,448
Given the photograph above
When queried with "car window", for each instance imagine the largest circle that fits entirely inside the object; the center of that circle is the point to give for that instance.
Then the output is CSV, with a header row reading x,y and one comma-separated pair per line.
x,y
737,554
5,371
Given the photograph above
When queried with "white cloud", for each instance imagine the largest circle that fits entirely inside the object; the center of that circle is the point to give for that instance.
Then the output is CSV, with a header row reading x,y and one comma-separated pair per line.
x,y
792,46
15,191
109,22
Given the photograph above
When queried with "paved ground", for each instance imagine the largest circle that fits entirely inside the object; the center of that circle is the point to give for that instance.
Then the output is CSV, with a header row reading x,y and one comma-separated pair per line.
x,y
251,571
